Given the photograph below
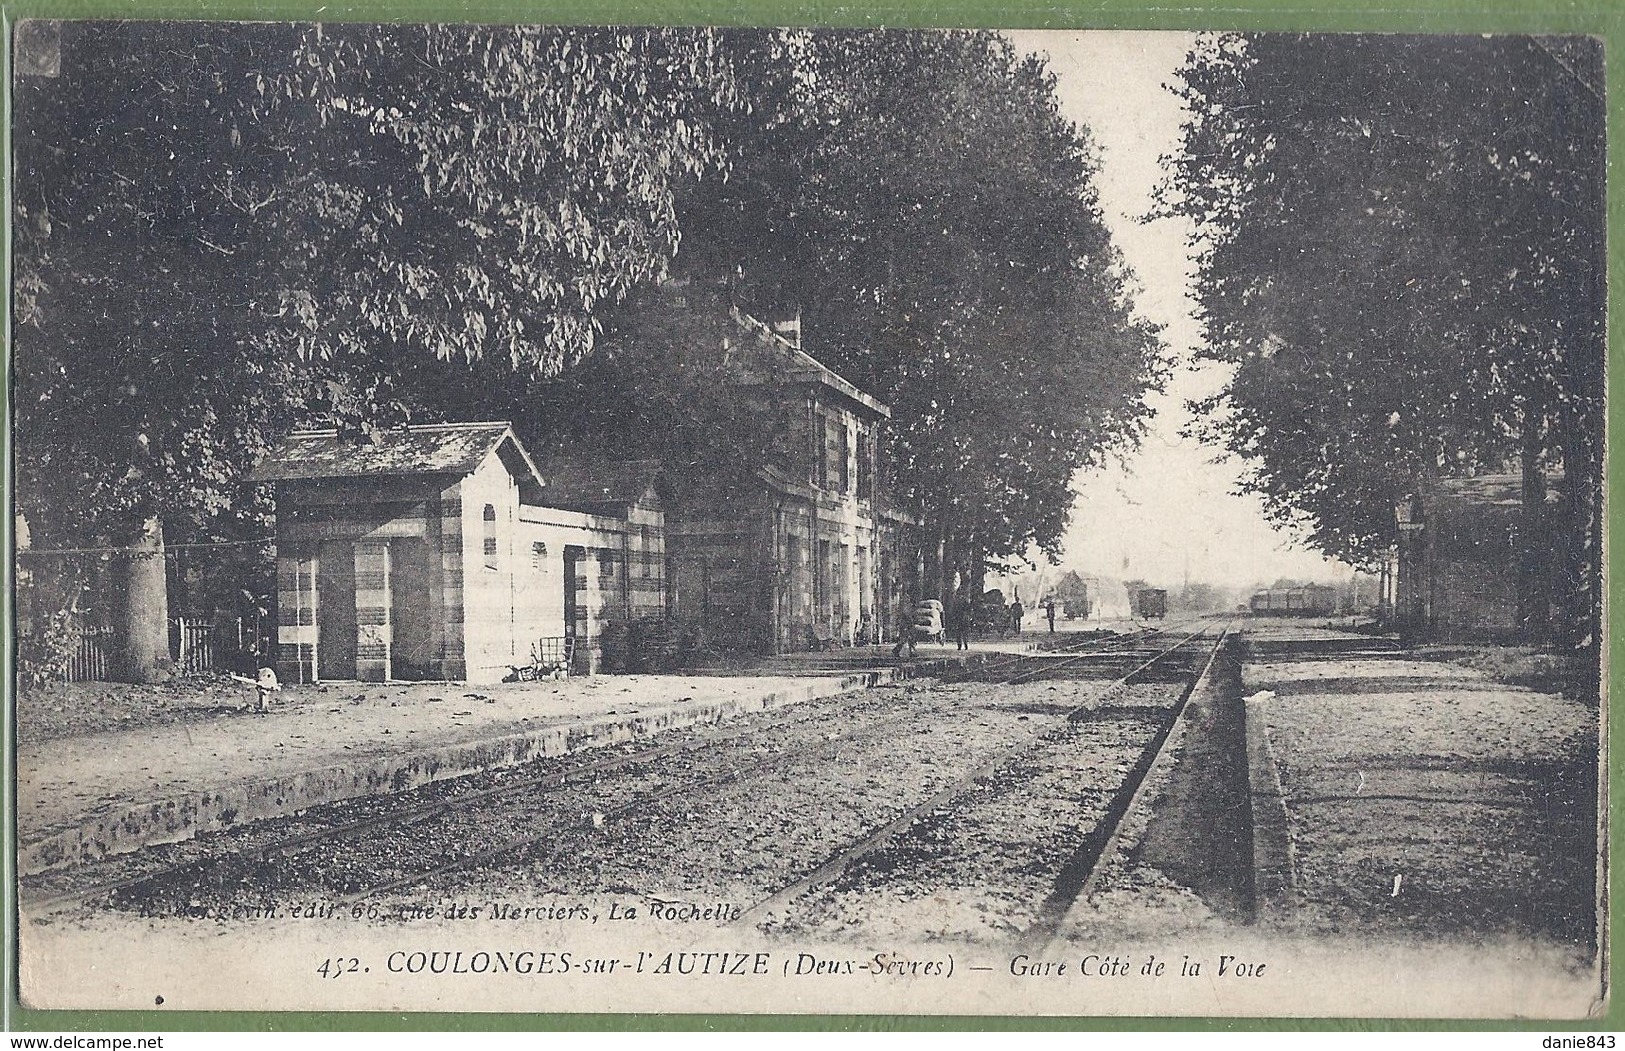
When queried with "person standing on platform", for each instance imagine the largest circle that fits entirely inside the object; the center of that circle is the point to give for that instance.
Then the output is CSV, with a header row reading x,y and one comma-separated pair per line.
x,y
964,614
905,632
1049,613
1016,613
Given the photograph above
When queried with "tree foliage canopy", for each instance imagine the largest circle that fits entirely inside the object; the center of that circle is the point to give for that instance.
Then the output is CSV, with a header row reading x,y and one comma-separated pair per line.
x,y
142,384
487,192
225,230
224,227
923,202
1400,249
919,200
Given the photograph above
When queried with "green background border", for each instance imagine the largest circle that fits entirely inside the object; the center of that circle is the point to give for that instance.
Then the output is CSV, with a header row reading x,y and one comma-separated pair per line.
x,y
1602,18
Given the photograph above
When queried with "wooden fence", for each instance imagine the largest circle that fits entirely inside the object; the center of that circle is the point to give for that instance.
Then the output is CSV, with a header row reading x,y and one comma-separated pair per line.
x,y
91,661
192,645
195,646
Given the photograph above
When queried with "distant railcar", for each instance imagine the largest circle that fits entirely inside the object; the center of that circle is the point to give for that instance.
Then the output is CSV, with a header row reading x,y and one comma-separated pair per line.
x,y
1312,600
1151,603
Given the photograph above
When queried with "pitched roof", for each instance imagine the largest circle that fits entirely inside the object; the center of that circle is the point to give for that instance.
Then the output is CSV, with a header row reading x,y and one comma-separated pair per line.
x,y
1505,490
591,485
445,448
800,365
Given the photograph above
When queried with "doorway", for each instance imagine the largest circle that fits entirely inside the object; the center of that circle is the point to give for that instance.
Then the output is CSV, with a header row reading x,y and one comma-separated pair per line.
x,y
411,644
575,607
335,610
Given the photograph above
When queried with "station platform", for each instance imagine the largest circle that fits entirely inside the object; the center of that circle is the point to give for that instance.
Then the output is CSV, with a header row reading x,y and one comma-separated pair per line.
x,y
1398,791
1299,636
216,762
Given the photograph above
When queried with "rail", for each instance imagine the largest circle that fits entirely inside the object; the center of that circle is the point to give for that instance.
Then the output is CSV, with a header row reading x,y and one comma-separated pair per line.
x,y
832,869
1015,671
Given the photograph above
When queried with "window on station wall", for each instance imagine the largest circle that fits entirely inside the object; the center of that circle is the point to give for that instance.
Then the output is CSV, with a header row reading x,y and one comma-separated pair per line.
x,y
834,434
490,543
843,453
866,465
646,547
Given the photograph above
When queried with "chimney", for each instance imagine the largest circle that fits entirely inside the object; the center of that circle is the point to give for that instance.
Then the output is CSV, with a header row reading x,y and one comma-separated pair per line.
x,y
790,328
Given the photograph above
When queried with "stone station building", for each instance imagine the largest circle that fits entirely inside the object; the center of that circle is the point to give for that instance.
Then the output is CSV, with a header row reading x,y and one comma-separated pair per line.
x,y
433,553
446,552
805,553
1458,557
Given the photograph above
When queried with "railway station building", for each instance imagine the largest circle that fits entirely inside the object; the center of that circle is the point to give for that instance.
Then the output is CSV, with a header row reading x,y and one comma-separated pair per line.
x,y
807,552
437,552
1459,557
447,552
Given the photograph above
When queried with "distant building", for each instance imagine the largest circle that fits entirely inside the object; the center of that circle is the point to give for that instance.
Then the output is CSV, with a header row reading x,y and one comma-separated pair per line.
x,y
1459,558
1091,596
1072,592
438,552
1109,598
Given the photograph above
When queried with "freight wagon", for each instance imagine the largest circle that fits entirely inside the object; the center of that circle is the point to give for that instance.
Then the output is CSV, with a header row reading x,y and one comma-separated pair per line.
x,y
1312,600
1151,602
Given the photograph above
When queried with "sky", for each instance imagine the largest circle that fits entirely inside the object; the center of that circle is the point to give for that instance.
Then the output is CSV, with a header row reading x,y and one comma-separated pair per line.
x,y
1170,512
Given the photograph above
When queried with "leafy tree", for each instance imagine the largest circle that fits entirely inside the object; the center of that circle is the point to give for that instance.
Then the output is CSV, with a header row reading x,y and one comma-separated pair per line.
x,y
141,390
487,192
658,386
920,199
1198,597
224,228
1400,253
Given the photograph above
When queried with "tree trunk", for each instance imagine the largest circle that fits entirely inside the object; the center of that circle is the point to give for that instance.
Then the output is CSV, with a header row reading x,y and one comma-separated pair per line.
x,y
976,572
936,566
963,578
1534,540
1578,598
141,608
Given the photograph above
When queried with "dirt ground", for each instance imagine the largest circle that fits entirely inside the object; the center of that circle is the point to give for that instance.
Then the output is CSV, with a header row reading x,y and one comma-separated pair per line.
x,y
74,709
1426,798
101,746
1574,675
63,710
1473,792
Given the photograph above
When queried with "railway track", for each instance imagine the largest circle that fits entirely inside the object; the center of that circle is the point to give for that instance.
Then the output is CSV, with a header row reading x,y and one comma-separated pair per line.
x,y
522,843
1076,870
444,806
1078,874
1071,655
455,800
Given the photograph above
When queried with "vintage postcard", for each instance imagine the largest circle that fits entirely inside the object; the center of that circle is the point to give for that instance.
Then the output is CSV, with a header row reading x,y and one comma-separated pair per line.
x,y
623,519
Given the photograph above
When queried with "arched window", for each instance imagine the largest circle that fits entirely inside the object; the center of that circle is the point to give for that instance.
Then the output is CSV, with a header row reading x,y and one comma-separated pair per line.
x,y
490,536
